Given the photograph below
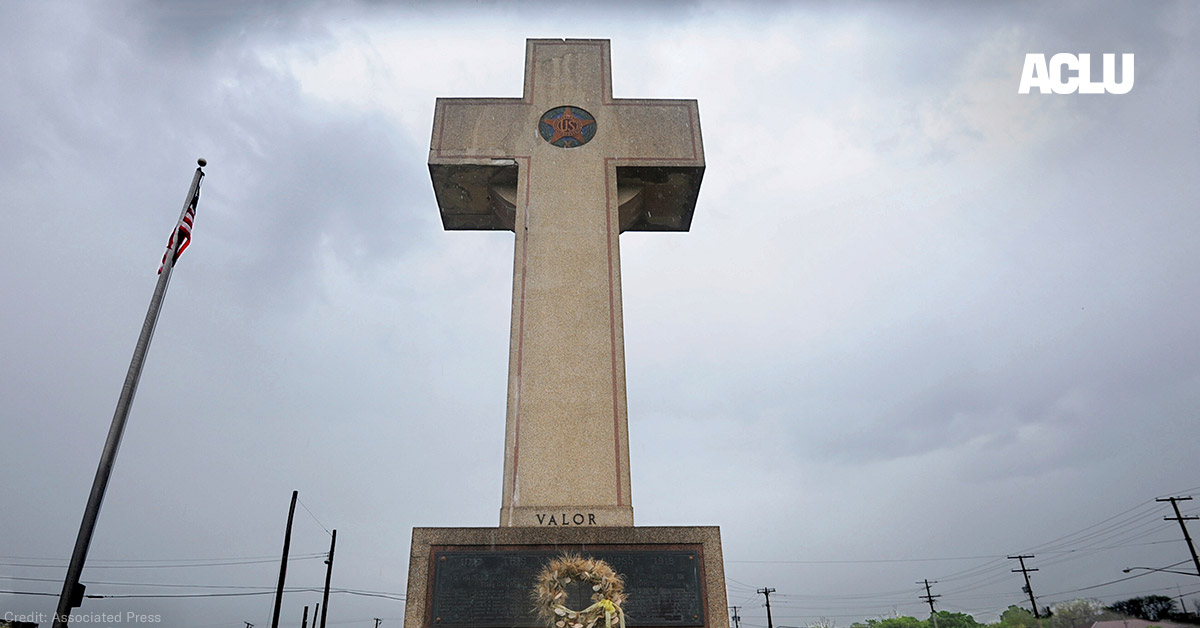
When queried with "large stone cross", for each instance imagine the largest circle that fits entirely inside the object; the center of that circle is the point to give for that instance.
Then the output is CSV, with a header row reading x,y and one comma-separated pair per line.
x,y
567,167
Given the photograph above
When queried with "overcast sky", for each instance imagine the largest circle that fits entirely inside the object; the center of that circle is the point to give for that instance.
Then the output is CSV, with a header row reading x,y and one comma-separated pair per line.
x,y
921,322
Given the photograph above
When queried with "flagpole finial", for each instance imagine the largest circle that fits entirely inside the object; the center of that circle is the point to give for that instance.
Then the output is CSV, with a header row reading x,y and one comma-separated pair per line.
x,y
202,161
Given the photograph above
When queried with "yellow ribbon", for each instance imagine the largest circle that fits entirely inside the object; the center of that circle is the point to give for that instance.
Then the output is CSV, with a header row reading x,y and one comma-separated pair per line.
x,y
610,610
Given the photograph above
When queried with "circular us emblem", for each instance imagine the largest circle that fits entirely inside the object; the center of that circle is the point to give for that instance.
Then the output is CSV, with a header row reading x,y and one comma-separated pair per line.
x,y
567,127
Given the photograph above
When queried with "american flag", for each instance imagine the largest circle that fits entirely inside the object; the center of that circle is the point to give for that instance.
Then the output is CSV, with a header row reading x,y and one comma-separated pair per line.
x,y
184,232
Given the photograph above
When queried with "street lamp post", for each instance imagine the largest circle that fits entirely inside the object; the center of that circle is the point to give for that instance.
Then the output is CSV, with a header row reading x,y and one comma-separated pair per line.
x,y
1182,573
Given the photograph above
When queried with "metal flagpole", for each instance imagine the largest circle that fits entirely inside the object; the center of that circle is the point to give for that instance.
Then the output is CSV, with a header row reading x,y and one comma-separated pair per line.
x,y
72,592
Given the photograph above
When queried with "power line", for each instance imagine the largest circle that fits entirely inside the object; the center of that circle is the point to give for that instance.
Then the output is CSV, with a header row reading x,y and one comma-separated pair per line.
x,y
1104,584
898,593
178,585
995,558
141,584
1124,520
314,517
150,560
174,566
866,560
98,596
1107,530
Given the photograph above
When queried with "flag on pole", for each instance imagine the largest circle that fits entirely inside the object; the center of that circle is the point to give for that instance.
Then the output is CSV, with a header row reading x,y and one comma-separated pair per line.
x,y
183,231
73,590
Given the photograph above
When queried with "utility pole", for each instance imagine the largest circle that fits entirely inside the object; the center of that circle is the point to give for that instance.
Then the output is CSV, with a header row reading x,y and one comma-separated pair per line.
x,y
928,597
1028,587
304,622
767,594
248,624
377,620
287,544
1180,518
328,575
737,621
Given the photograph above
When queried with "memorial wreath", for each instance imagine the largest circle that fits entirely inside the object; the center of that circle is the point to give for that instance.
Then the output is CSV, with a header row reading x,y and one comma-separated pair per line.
x,y
607,597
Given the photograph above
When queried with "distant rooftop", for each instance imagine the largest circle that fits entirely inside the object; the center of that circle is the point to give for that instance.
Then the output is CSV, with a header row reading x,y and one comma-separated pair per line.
x,y
1137,623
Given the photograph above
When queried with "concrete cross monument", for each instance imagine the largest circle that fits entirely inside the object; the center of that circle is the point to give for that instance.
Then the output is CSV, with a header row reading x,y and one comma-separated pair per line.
x,y
567,167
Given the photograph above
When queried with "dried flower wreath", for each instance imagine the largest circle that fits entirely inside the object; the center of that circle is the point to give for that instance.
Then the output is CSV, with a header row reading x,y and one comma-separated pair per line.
x,y
607,597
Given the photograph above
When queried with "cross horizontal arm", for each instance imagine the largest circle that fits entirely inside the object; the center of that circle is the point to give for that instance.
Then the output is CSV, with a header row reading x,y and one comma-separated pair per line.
x,y
472,160
476,127
658,132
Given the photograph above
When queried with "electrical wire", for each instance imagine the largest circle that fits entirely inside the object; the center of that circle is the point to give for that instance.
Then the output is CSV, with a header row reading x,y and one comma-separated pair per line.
x,y
170,566
314,517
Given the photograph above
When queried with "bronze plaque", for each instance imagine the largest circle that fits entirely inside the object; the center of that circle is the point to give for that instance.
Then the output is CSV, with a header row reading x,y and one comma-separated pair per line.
x,y
493,588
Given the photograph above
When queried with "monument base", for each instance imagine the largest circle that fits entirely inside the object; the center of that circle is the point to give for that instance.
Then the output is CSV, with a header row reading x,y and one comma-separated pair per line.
x,y
484,577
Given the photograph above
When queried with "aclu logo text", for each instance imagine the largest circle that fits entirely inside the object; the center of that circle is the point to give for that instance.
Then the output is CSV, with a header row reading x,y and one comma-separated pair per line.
x,y
1066,73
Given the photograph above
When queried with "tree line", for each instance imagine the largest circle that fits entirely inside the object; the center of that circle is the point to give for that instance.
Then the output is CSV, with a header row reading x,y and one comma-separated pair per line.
x,y
1072,614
